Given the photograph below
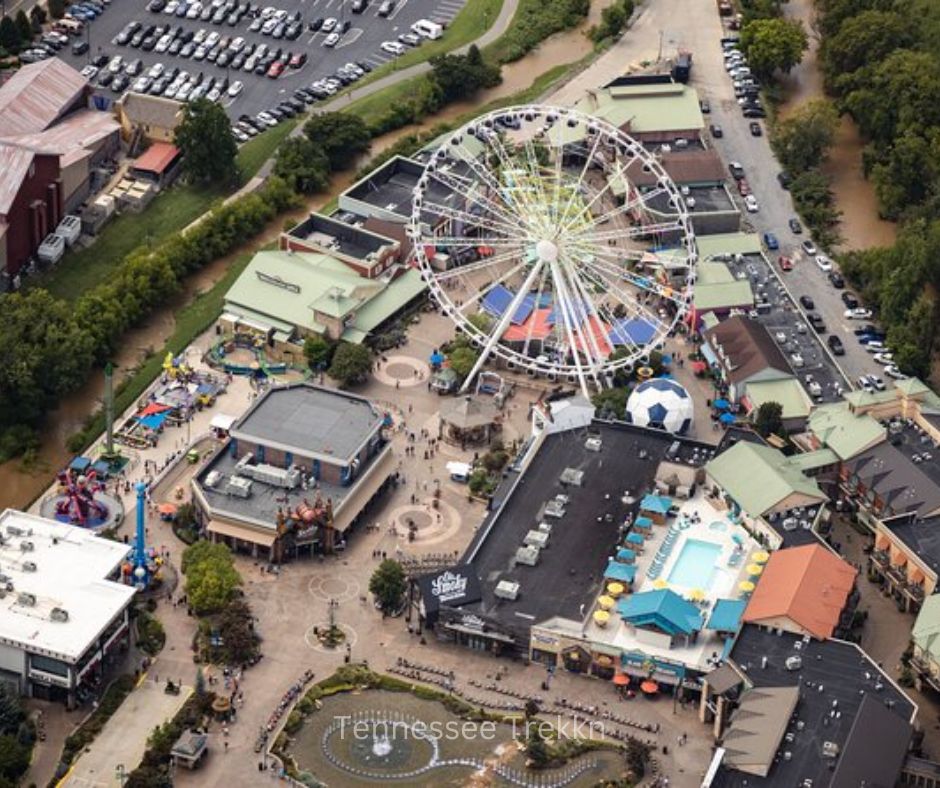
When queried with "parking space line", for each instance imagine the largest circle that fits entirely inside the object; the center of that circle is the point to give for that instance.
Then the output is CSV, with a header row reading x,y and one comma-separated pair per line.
x,y
349,38
398,8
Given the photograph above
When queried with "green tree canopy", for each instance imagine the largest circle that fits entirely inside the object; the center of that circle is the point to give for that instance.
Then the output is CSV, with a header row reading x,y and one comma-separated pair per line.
x,y
239,639
773,44
351,363
37,16
303,165
388,585
341,136
205,138
803,139
318,351
24,26
460,76
57,8
462,360
769,419
9,35
211,577
14,759
863,39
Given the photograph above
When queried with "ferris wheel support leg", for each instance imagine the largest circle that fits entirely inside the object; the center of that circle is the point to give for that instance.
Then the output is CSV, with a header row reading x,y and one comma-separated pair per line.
x,y
502,324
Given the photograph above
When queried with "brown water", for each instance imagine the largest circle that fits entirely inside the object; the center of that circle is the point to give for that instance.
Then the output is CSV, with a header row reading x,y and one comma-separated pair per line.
x,y
19,488
855,197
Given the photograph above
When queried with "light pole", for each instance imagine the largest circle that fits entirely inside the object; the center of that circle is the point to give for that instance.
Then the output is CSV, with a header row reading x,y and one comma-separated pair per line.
x,y
120,774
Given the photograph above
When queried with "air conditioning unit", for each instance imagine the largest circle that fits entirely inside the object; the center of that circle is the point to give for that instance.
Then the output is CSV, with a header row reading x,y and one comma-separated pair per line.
x,y
29,566
794,663
506,589
830,749
26,599
59,614
593,444
27,547
14,530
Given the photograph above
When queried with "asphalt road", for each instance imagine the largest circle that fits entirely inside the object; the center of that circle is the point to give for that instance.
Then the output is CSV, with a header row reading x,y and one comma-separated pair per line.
x,y
776,208
360,43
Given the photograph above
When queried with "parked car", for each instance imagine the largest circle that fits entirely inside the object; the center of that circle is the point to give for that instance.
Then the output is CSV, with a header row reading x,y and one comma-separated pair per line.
x,y
808,247
785,263
858,313
387,7
771,242
705,106
824,263
744,188
807,302
736,170
755,128
784,179
717,132
836,280
795,226
835,345
331,40
850,300
751,204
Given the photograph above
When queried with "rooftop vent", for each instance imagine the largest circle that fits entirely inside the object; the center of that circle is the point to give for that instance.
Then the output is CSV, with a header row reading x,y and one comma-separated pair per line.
x,y
555,509
527,555
536,539
506,589
29,566
27,547
212,479
593,444
830,749
25,599
572,476
59,614
239,487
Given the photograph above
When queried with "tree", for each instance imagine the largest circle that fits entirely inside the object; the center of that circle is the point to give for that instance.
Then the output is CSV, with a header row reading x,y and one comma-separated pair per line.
x,y
37,17
318,352
205,138
769,419
611,403
342,137
11,711
908,173
200,681
462,360
24,27
803,139
773,44
211,577
239,640
614,19
56,8
866,38
303,165
14,759
913,340
388,585
351,363
9,35
460,76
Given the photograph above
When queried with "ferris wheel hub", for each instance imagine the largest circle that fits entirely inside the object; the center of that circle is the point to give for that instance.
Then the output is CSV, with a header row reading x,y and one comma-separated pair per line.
x,y
547,251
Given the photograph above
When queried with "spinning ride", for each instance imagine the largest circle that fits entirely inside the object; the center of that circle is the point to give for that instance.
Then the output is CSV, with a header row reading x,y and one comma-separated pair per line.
x,y
555,241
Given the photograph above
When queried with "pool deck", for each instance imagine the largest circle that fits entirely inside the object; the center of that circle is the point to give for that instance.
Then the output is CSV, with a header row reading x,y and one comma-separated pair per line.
x,y
694,521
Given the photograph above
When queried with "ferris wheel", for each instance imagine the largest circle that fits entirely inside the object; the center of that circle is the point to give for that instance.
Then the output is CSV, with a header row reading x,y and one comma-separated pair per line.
x,y
557,243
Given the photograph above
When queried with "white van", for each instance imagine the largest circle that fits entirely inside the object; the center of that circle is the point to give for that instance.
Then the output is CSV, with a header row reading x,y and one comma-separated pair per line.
x,y
427,29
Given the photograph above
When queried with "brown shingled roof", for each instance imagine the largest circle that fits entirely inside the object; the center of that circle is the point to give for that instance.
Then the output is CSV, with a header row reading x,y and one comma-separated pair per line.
x,y
688,166
748,348
37,95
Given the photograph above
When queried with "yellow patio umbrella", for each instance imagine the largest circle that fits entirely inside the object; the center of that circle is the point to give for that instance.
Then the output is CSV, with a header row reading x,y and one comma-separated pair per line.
x,y
601,617
696,595
660,584
754,569
606,602
761,558
615,589
746,586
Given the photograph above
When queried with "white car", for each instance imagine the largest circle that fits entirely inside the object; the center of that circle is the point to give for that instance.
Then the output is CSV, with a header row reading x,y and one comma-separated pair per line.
x,y
892,371
184,92
796,359
393,48
156,70
237,44
859,313
90,72
200,36
194,10
750,202
234,89
331,40
171,7
781,337
116,64
212,38
824,263
808,246
865,384
164,43
268,27
884,358
329,25
875,346
266,119
239,135
268,12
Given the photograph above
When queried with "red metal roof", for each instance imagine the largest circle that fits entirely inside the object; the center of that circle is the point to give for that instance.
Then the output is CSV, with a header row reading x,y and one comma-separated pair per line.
x,y
37,95
157,158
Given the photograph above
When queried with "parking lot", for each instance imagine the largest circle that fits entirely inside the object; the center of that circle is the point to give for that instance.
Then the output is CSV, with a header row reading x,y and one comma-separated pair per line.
x,y
359,44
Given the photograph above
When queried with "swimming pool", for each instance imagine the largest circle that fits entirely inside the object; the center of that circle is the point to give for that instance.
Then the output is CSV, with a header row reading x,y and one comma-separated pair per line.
x,y
695,565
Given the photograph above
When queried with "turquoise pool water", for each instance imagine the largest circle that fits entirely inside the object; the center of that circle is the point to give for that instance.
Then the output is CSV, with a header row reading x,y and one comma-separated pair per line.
x,y
696,564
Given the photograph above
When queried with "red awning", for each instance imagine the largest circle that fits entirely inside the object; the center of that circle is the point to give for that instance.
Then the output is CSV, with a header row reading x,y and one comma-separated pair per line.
x,y
153,408
699,366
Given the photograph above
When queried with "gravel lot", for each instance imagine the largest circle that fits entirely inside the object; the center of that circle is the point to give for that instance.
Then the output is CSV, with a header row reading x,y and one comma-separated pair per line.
x,y
360,44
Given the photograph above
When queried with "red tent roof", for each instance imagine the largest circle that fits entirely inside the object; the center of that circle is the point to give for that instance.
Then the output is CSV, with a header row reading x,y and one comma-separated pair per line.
x,y
158,157
152,408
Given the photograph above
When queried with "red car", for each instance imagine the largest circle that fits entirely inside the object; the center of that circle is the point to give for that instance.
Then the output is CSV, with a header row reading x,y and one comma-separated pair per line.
x,y
744,188
277,68
786,264
298,60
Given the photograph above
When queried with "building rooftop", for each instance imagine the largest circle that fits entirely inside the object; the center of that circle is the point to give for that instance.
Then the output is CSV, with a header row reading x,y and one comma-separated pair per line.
x,y
759,478
757,728
717,288
903,485
686,167
310,422
332,235
145,110
808,585
71,567
922,537
157,157
788,392
845,432
926,631
390,188
835,679
644,108
727,244
37,95
570,571
708,199
747,350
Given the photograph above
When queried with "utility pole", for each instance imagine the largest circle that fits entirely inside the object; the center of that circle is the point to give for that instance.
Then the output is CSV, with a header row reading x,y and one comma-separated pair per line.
x,y
659,55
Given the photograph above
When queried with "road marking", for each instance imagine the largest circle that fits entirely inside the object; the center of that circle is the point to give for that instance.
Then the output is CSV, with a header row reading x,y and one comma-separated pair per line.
x,y
349,37
398,8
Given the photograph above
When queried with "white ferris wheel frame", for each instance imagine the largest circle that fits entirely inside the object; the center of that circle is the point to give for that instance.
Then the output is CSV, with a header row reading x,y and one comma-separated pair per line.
x,y
604,270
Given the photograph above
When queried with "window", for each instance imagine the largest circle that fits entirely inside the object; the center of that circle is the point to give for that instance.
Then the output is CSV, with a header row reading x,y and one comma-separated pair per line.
x,y
48,665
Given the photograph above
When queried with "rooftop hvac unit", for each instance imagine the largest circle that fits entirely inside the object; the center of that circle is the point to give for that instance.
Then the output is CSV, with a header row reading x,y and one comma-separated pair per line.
x,y
212,479
527,555
537,539
673,450
239,487
545,528
59,614
794,663
830,749
14,530
27,547
288,478
25,599
572,476
506,589
29,566
593,444
554,509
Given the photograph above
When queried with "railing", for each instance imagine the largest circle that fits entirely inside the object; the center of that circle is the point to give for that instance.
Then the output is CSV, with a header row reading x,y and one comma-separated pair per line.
x,y
879,557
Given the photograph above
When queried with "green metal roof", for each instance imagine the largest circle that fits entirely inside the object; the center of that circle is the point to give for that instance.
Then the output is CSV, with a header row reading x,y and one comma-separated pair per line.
x,y
758,477
723,295
727,243
926,631
398,293
861,398
788,392
811,460
843,431
713,273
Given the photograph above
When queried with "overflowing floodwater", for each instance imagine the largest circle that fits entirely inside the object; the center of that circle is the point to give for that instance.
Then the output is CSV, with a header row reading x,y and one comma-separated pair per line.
x,y
855,197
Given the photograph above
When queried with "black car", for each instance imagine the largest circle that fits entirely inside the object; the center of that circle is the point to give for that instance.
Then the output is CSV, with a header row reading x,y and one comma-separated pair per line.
x,y
736,170
156,5
717,133
807,302
795,225
315,25
344,27
148,43
784,179
850,300
705,106
816,322
294,29
364,66
299,105
105,79
100,61
120,83
869,329
756,130
836,280
754,112
835,345
79,47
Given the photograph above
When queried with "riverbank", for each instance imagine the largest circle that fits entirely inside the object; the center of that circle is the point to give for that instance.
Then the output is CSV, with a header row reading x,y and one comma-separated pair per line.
x,y
861,226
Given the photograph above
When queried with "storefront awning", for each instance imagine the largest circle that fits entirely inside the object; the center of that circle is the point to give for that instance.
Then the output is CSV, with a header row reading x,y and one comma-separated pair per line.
x,y
242,532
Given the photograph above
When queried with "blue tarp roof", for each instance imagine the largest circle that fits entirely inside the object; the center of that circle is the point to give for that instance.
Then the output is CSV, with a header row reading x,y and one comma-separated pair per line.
x,y
656,503
623,573
632,330
643,522
80,464
635,538
497,301
102,468
628,556
726,615
154,421
664,609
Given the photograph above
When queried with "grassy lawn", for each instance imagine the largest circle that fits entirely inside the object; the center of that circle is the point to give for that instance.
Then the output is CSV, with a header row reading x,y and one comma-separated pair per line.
x,y
169,213
472,22
191,321
372,107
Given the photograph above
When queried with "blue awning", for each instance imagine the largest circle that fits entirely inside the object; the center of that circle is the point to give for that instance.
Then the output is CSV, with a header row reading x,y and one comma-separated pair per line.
x,y
154,421
656,503
498,300
726,615
726,418
635,539
623,573
102,469
662,610
631,331
626,556
80,464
